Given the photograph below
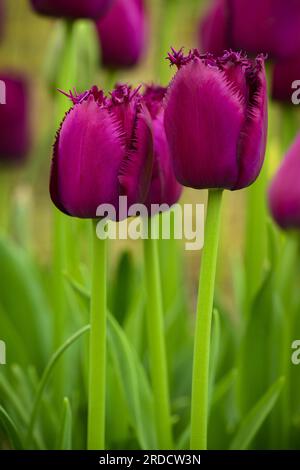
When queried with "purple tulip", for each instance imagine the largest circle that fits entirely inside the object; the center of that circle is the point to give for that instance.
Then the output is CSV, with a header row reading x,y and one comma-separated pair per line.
x,y
72,8
14,119
103,150
213,29
285,73
216,119
164,187
257,26
284,192
122,33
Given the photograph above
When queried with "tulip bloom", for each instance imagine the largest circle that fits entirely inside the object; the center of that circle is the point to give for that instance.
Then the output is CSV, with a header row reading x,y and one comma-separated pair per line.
x,y
285,75
122,34
259,26
213,33
103,150
72,8
216,119
14,119
164,188
284,192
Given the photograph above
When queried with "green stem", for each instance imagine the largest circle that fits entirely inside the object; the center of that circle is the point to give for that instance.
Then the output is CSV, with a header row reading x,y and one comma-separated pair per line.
x,y
200,383
156,341
256,236
97,388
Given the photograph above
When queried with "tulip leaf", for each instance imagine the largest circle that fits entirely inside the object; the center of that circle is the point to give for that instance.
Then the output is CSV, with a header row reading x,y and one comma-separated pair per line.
x,y
10,430
255,418
28,309
65,435
136,385
259,359
47,374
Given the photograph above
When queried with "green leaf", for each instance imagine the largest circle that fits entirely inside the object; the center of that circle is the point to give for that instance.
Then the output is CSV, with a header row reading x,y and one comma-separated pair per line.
x,y
9,428
255,418
223,386
259,360
28,308
136,385
47,374
65,435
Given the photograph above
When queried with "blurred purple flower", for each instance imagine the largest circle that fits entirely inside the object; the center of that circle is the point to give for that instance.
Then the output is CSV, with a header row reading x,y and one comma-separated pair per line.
x,y
122,33
164,187
104,149
72,8
14,119
216,119
213,29
257,26
285,73
284,192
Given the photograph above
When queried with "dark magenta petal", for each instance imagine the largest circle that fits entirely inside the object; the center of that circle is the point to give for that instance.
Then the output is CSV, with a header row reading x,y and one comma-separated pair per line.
x,y
253,139
14,119
86,162
136,170
122,33
72,8
164,188
285,73
284,192
213,31
268,26
204,117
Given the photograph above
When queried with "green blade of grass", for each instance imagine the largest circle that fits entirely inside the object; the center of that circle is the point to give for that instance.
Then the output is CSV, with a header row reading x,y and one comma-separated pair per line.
x,y
255,418
10,429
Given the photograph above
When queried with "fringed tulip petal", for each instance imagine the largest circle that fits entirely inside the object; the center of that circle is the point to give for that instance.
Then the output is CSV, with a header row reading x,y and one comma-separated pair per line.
x,y
87,158
216,119
203,119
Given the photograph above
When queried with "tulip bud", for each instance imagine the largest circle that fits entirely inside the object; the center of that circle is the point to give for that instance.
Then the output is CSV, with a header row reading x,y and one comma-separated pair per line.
x,y
72,8
122,34
284,192
213,29
164,187
216,119
259,26
14,119
268,26
103,150
286,81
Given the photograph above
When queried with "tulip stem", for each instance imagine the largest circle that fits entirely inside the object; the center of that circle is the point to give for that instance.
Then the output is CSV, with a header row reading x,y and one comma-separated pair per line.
x,y
156,342
199,409
97,376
